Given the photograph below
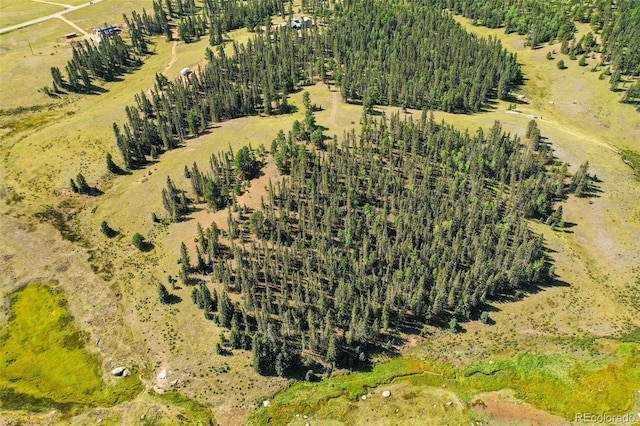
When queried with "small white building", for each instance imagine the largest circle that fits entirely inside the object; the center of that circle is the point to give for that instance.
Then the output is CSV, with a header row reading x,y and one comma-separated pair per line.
x,y
299,23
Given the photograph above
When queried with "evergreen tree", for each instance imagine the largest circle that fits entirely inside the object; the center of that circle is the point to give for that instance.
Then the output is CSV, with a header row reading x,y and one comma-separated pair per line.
x,y
111,166
245,163
83,186
163,294
107,230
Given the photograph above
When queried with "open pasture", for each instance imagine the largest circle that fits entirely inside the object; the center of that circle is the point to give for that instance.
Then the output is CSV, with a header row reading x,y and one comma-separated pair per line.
x,y
13,12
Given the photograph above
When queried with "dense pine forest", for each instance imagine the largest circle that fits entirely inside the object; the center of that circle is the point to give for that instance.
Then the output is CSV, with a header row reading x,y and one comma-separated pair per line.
x,y
445,69
413,54
443,80
403,224
615,30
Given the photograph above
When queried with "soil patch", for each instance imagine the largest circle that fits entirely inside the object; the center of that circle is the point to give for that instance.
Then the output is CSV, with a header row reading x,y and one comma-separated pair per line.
x,y
504,412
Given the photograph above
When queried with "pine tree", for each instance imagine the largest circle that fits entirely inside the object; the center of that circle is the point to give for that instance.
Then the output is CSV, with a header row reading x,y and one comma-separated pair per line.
x,y
226,310
163,294
83,187
333,351
256,354
106,229
111,166
453,325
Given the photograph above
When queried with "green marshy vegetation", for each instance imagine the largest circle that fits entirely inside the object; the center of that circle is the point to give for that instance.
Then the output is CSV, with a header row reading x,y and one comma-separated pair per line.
x,y
559,384
43,361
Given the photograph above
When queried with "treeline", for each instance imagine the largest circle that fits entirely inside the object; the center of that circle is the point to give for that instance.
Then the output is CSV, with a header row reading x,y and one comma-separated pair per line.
x,y
405,223
615,30
539,20
106,60
413,54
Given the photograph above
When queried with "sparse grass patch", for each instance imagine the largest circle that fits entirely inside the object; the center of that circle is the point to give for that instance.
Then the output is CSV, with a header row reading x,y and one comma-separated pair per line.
x,y
26,65
43,361
196,414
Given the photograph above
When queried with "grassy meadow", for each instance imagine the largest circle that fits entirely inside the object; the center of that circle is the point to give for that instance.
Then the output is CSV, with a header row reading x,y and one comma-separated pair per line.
x,y
107,12
553,352
16,11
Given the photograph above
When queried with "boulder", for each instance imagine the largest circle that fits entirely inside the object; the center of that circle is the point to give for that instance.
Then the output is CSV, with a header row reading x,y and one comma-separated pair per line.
x,y
386,394
266,403
126,373
118,371
163,374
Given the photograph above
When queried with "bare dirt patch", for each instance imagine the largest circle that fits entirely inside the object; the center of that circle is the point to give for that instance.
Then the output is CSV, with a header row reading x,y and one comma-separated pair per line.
x,y
513,413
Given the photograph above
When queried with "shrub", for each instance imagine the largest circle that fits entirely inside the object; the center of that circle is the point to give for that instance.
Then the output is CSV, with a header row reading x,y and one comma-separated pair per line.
x,y
453,325
138,241
310,376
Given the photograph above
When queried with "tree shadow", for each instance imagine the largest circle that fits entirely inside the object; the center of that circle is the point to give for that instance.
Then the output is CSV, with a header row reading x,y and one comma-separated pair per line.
x,y
146,246
490,104
375,113
111,233
173,299
94,192
285,109
96,90
120,171
189,216
535,288
516,99
592,191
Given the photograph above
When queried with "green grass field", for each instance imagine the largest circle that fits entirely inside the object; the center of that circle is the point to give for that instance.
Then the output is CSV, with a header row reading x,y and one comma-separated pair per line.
x,y
14,12
19,88
107,12
43,358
